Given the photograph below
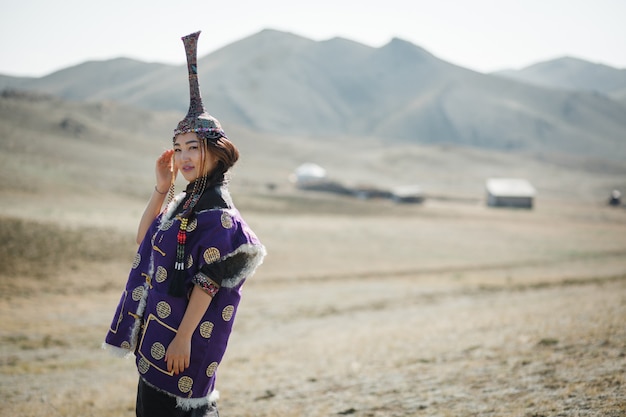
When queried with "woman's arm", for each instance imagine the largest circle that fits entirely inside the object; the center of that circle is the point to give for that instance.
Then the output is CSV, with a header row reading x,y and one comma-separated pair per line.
x,y
178,353
163,180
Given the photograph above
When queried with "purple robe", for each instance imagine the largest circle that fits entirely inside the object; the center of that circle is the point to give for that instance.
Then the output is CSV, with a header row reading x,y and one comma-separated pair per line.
x,y
147,317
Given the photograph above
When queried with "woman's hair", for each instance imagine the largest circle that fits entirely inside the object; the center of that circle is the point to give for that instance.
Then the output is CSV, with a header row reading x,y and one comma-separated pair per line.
x,y
227,155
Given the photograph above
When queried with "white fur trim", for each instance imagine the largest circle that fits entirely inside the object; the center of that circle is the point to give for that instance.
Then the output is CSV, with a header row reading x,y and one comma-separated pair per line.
x,y
117,351
256,255
134,333
189,403
214,396
169,210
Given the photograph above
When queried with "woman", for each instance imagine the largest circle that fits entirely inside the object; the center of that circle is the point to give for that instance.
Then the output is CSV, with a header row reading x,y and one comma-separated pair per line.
x,y
177,310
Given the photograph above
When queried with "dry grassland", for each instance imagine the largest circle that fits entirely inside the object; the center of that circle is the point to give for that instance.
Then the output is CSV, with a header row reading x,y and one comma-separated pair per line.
x,y
362,308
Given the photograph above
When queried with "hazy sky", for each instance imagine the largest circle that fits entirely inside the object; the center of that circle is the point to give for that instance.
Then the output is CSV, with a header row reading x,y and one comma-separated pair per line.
x,y
38,37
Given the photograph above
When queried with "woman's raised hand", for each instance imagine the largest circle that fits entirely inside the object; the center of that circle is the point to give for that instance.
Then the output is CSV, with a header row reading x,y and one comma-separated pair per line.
x,y
164,170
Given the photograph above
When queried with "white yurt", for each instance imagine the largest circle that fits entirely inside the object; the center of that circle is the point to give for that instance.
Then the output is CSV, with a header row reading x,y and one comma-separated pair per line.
x,y
510,192
308,174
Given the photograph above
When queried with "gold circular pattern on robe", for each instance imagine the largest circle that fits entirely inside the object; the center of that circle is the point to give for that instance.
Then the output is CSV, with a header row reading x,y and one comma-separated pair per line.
x,y
184,384
161,274
227,313
189,261
166,225
206,328
136,261
210,370
227,221
143,366
163,309
125,345
211,255
137,293
192,226
157,351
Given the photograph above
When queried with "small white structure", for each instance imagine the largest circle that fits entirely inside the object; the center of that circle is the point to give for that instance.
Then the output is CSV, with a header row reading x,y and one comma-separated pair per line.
x,y
308,174
510,192
407,194
615,198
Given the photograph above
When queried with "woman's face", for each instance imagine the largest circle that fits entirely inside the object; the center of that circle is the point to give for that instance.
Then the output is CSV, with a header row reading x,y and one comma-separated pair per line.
x,y
188,155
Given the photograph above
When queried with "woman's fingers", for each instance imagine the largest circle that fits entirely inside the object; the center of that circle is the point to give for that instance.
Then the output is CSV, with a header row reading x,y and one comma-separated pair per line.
x,y
177,357
164,167
177,364
166,158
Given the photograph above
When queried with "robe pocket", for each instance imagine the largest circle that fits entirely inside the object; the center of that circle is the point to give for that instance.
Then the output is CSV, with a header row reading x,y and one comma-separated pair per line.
x,y
155,339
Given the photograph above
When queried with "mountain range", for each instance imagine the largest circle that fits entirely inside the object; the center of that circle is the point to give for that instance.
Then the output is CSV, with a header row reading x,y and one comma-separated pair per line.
x,y
573,74
279,83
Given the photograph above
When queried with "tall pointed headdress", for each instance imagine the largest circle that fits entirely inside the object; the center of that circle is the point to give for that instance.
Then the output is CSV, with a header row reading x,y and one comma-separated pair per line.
x,y
206,127
197,120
